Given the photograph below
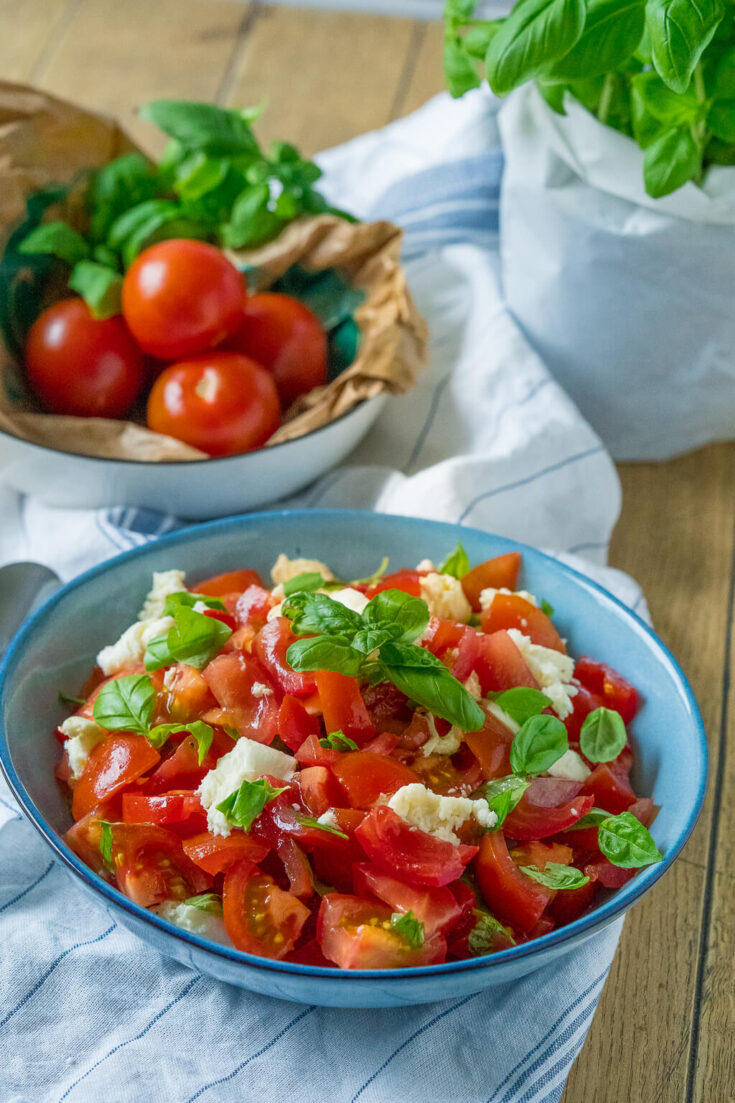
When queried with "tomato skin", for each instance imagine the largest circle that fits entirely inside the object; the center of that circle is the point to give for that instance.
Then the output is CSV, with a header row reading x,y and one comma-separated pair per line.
x,y
571,903
80,365
184,695
491,747
298,870
229,583
501,665
152,867
311,753
231,677
176,810
295,724
271,645
442,634
216,853
219,402
583,703
436,908
457,775
259,916
114,763
617,693
253,606
223,617
84,836
608,875
408,853
319,789
408,581
609,787
349,938
387,707
511,611
510,894
498,573
182,769
343,707
548,806
181,297
284,336
366,776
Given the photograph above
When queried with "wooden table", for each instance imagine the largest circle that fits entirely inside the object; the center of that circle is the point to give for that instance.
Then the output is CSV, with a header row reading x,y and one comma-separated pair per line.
x,y
664,1029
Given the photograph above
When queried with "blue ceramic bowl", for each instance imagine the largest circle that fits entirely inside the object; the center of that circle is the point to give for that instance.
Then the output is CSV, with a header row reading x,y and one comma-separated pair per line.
x,y
56,649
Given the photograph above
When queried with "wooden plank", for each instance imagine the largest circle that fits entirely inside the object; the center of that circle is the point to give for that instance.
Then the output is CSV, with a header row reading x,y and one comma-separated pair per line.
x,y
115,55
427,73
326,76
27,32
676,537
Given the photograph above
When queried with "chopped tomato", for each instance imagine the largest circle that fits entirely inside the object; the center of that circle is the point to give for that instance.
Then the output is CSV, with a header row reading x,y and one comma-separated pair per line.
x,y
387,707
436,908
244,690
610,787
231,582
297,867
571,903
85,835
644,810
319,789
343,707
549,805
271,645
455,775
117,761
311,753
617,693
511,611
259,916
608,875
279,817
216,853
491,747
356,933
385,743
182,694
295,724
310,953
408,853
182,769
501,665
366,776
151,865
253,606
538,854
583,703
181,811
498,573
223,617
441,634
513,896
408,581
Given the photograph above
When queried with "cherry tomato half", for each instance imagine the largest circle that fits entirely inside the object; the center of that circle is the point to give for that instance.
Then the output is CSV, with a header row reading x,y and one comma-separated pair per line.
x,y
219,402
81,365
259,916
286,338
181,297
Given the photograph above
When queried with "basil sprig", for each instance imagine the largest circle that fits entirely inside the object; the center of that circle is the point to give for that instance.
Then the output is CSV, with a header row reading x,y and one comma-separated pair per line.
x,y
186,597
307,580
409,928
377,644
338,741
541,742
556,876
503,794
521,702
193,639
626,842
602,736
201,732
457,563
482,937
243,807
126,704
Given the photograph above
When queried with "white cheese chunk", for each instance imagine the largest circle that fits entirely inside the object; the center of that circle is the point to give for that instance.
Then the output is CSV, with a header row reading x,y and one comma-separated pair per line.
x,y
164,583
349,597
84,734
247,761
437,815
260,689
195,920
552,670
570,766
425,565
442,744
284,569
502,716
488,595
129,650
328,819
445,597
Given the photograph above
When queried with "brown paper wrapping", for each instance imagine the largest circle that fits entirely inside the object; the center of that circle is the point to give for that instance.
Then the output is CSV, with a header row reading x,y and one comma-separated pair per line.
x,y
44,140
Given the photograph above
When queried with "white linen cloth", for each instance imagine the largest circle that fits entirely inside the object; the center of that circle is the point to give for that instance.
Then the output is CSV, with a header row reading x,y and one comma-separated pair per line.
x,y
88,1012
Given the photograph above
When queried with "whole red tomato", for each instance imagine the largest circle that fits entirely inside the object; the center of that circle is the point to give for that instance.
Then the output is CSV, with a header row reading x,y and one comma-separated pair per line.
x,y
219,402
82,365
286,338
182,297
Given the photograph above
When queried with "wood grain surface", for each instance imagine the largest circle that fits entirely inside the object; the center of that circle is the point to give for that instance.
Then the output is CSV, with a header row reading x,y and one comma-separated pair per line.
x,y
665,1025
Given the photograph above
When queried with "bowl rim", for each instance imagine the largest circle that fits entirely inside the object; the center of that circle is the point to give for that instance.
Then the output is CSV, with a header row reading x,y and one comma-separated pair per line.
x,y
586,925
156,464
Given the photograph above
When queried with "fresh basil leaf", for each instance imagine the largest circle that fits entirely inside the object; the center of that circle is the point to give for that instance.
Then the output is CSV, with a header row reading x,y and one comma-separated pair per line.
x,y
479,36
547,608
425,679
67,699
626,842
535,35
198,175
194,639
338,741
521,702
603,735
553,94
126,704
375,577
459,11
312,821
57,239
460,70
456,564
612,31
369,640
307,581
409,928
541,741
206,902
100,286
721,120
403,616
483,936
670,162
324,653
680,31
251,221
215,130
319,614
556,876
655,109
503,794
244,806
593,818
185,597
197,729
106,841
118,186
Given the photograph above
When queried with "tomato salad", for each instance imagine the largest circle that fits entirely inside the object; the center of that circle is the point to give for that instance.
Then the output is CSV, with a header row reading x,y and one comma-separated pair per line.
x,y
391,771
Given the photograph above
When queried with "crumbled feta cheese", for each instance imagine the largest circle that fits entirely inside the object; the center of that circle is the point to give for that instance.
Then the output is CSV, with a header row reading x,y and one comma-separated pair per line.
x,y
284,569
488,595
445,597
473,687
437,815
442,744
328,819
84,734
570,766
195,920
552,670
425,565
499,714
129,650
164,583
247,761
260,689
